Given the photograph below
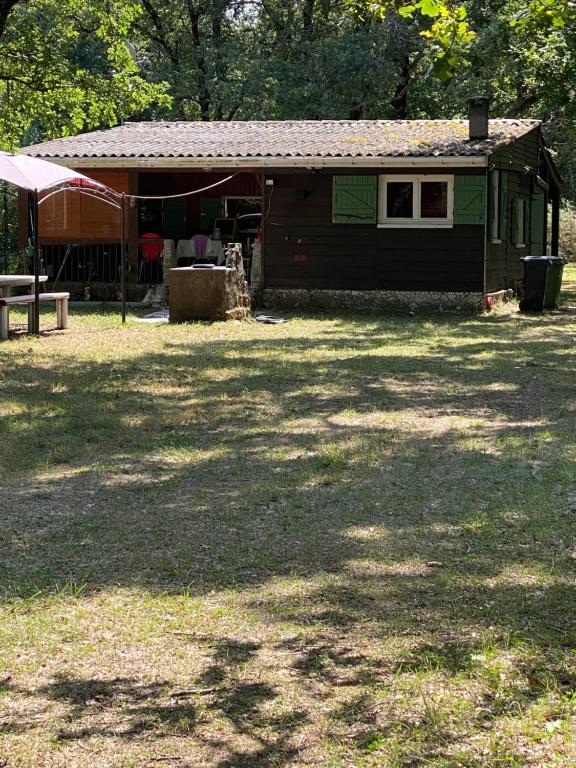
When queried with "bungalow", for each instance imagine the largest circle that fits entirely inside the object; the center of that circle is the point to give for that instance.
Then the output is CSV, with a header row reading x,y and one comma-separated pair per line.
x,y
362,214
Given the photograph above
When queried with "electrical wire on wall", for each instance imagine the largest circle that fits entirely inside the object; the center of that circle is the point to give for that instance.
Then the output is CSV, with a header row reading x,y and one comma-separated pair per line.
x,y
183,194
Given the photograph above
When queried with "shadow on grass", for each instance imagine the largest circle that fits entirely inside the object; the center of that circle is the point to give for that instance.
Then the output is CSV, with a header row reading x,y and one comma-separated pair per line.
x,y
415,483
126,709
227,457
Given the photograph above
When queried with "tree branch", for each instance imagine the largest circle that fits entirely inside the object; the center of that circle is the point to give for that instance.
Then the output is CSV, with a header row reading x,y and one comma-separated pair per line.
x,y
160,37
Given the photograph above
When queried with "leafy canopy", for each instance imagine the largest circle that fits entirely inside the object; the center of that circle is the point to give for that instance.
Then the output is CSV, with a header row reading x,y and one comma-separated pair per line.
x,y
65,67
449,30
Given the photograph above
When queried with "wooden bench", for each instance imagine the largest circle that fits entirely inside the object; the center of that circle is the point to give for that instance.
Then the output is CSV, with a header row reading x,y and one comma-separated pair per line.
x,y
61,300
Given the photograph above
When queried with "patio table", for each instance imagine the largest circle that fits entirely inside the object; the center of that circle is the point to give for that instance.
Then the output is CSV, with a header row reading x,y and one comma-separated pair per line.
x,y
9,281
12,281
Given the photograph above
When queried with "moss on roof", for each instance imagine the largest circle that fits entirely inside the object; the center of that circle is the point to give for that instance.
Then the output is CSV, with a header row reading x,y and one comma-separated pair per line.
x,y
285,139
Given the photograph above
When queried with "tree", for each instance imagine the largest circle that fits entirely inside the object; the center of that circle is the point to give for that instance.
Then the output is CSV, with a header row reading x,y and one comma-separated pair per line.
x,y
521,54
445,26
65,67
265,59
449,31
202,47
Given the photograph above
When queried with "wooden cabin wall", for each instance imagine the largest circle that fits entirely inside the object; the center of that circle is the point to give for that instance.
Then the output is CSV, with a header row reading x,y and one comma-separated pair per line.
x,y
504,268
304,249
71,217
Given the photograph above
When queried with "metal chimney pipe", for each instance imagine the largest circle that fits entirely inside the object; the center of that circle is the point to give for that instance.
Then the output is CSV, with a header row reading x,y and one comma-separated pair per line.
x,y
478,109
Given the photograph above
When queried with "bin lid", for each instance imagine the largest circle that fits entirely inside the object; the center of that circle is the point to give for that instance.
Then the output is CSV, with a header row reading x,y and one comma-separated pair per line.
x,y
197,267
547,259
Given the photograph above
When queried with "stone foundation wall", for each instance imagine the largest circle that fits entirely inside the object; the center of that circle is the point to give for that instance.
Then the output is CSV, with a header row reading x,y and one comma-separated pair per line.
x,y
374,301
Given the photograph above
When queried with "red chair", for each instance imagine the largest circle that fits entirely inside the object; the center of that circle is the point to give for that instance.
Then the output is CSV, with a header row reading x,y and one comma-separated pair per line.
x,y
150,251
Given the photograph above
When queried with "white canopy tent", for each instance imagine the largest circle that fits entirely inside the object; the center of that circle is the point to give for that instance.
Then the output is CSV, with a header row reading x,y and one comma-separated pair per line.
x,y
43,180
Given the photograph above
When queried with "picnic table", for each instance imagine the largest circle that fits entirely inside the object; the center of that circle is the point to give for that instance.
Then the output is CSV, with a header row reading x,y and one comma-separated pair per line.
x,y
9,281
12,281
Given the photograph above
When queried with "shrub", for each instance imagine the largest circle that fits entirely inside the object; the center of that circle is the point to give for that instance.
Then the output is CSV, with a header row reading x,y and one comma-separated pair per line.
x,y
567,245
568,231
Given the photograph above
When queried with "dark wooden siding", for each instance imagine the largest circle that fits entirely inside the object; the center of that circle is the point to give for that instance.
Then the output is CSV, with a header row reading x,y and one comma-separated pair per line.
x,y
521,160
303,249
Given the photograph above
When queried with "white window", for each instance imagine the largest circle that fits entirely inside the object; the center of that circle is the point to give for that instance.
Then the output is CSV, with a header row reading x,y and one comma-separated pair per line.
x,y
520,224
416,201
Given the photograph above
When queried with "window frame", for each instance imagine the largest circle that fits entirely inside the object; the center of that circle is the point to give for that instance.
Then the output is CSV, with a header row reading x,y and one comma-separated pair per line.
x,y
416,222
226,198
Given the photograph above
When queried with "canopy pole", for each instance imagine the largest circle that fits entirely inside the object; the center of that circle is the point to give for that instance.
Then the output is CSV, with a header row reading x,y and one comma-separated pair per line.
x,y
35,219
123,254
5,230
555,235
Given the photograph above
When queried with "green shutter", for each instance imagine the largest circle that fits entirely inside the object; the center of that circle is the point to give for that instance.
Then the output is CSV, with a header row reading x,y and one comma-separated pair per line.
x,y
492,205
537,224
210,209
355,199
526,234
504,205
469,199
174,219
515,232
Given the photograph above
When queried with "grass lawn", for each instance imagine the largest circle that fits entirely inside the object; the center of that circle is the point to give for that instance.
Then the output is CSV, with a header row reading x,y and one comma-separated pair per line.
x,y
340,542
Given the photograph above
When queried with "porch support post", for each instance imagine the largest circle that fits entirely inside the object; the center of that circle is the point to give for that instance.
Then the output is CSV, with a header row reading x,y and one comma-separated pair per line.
x,y
123,253
35,218
132,222
555,233
266,201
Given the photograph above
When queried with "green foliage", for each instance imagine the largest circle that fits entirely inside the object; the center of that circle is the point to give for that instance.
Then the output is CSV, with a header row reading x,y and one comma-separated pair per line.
x,y
546,14
8,230
567,244
226,60
447,28
451,34
65,67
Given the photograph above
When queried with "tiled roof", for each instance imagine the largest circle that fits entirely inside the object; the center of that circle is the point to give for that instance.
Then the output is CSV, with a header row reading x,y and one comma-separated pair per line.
x,y
286,139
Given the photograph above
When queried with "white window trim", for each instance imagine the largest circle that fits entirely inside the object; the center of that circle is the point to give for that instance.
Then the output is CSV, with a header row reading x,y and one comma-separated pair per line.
x,y
519,234
415,222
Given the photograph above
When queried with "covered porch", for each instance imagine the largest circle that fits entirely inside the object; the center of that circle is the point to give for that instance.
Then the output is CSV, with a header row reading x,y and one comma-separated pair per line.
x,y
80,237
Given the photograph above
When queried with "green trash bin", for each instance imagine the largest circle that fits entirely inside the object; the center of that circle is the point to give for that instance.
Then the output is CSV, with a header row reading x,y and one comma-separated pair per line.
x,y
553,282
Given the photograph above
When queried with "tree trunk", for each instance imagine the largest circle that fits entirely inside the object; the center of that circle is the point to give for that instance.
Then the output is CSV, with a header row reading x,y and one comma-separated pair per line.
x,y
400,98
308,18
522,103
203,91
159,36
5,8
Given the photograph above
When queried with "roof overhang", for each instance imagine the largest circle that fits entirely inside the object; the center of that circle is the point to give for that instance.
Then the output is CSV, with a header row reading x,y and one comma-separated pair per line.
x,y
553,171
262,163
